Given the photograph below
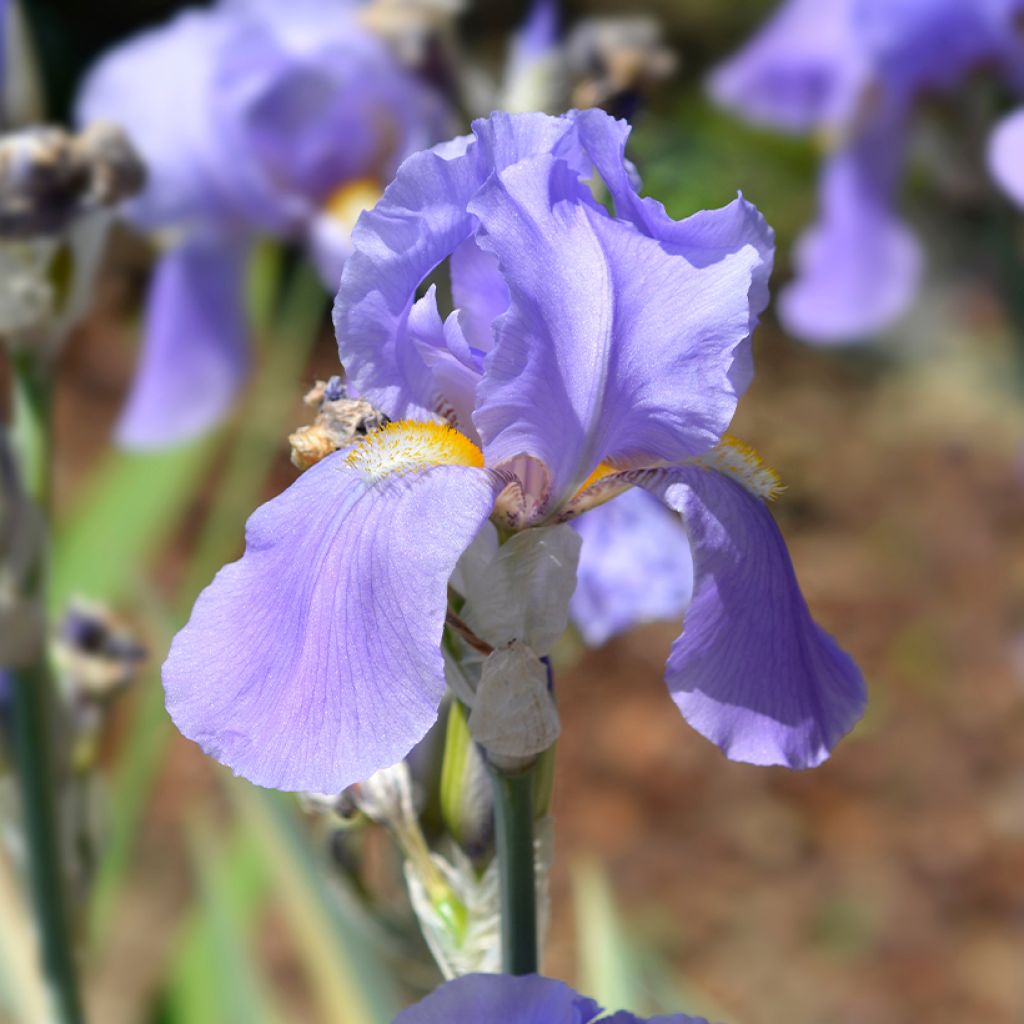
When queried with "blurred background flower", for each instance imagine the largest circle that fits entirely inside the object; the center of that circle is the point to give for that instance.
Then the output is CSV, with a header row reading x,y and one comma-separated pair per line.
x,y
852,72
289,121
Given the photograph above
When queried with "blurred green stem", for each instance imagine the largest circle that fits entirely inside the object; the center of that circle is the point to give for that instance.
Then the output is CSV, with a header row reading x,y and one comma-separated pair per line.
x,y
35,703
513,837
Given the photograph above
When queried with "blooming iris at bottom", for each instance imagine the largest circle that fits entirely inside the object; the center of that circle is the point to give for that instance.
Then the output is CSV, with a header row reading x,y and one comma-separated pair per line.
x,y
589,353
530,999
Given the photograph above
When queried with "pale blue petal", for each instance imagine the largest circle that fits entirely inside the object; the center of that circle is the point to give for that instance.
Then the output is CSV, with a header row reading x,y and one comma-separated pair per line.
x,y
315,660
635,567
752,671
195,347
504,998
803,69
607,328
141,86
420,221
858,268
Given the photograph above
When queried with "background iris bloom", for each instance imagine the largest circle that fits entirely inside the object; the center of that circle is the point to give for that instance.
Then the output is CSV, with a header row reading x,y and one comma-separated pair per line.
x,y
852,69
253,117
588,353
518,1000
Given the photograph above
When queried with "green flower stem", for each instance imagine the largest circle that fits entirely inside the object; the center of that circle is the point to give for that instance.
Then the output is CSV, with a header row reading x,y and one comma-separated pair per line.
x,y
35,707
513,824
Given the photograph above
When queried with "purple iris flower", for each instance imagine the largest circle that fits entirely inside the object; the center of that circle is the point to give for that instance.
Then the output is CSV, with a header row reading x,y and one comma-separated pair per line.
x,y
254,117
635,566
851,70
528,999
588,353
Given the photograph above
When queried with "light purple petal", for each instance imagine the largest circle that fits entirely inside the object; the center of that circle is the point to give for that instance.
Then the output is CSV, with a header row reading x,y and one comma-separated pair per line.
x,y
635,567
330,244
479,291
1006,155
536,37
314,100
281,105
195,351
315,660
419,222
859,267
703,238
422,220
802,70
140,85
606,330
752,671
915,45
507,139
504,998
534,65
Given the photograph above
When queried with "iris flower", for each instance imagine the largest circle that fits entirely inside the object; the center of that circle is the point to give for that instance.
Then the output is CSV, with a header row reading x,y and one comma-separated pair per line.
x,y
852,71
589,352
254,117
529,999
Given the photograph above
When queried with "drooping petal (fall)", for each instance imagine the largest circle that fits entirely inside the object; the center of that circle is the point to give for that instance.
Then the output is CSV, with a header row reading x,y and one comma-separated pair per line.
x,y
315,660
195,346
752,671
859,267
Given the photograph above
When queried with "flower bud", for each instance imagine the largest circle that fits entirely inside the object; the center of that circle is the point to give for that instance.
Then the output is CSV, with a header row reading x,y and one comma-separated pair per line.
x,y
514,717
467,804
56,194
50,178
521,590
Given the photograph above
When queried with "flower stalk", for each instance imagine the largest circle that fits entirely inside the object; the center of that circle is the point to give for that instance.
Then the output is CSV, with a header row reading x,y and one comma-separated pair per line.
x,y
513,836
35,704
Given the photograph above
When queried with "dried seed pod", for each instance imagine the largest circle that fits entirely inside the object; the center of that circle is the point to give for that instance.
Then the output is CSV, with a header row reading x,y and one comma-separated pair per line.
x,y
514,717
339,421
49,178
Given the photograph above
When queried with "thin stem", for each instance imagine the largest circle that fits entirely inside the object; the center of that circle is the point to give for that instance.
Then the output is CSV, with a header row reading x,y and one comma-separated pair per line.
x,y
32,427
35,705
513,827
